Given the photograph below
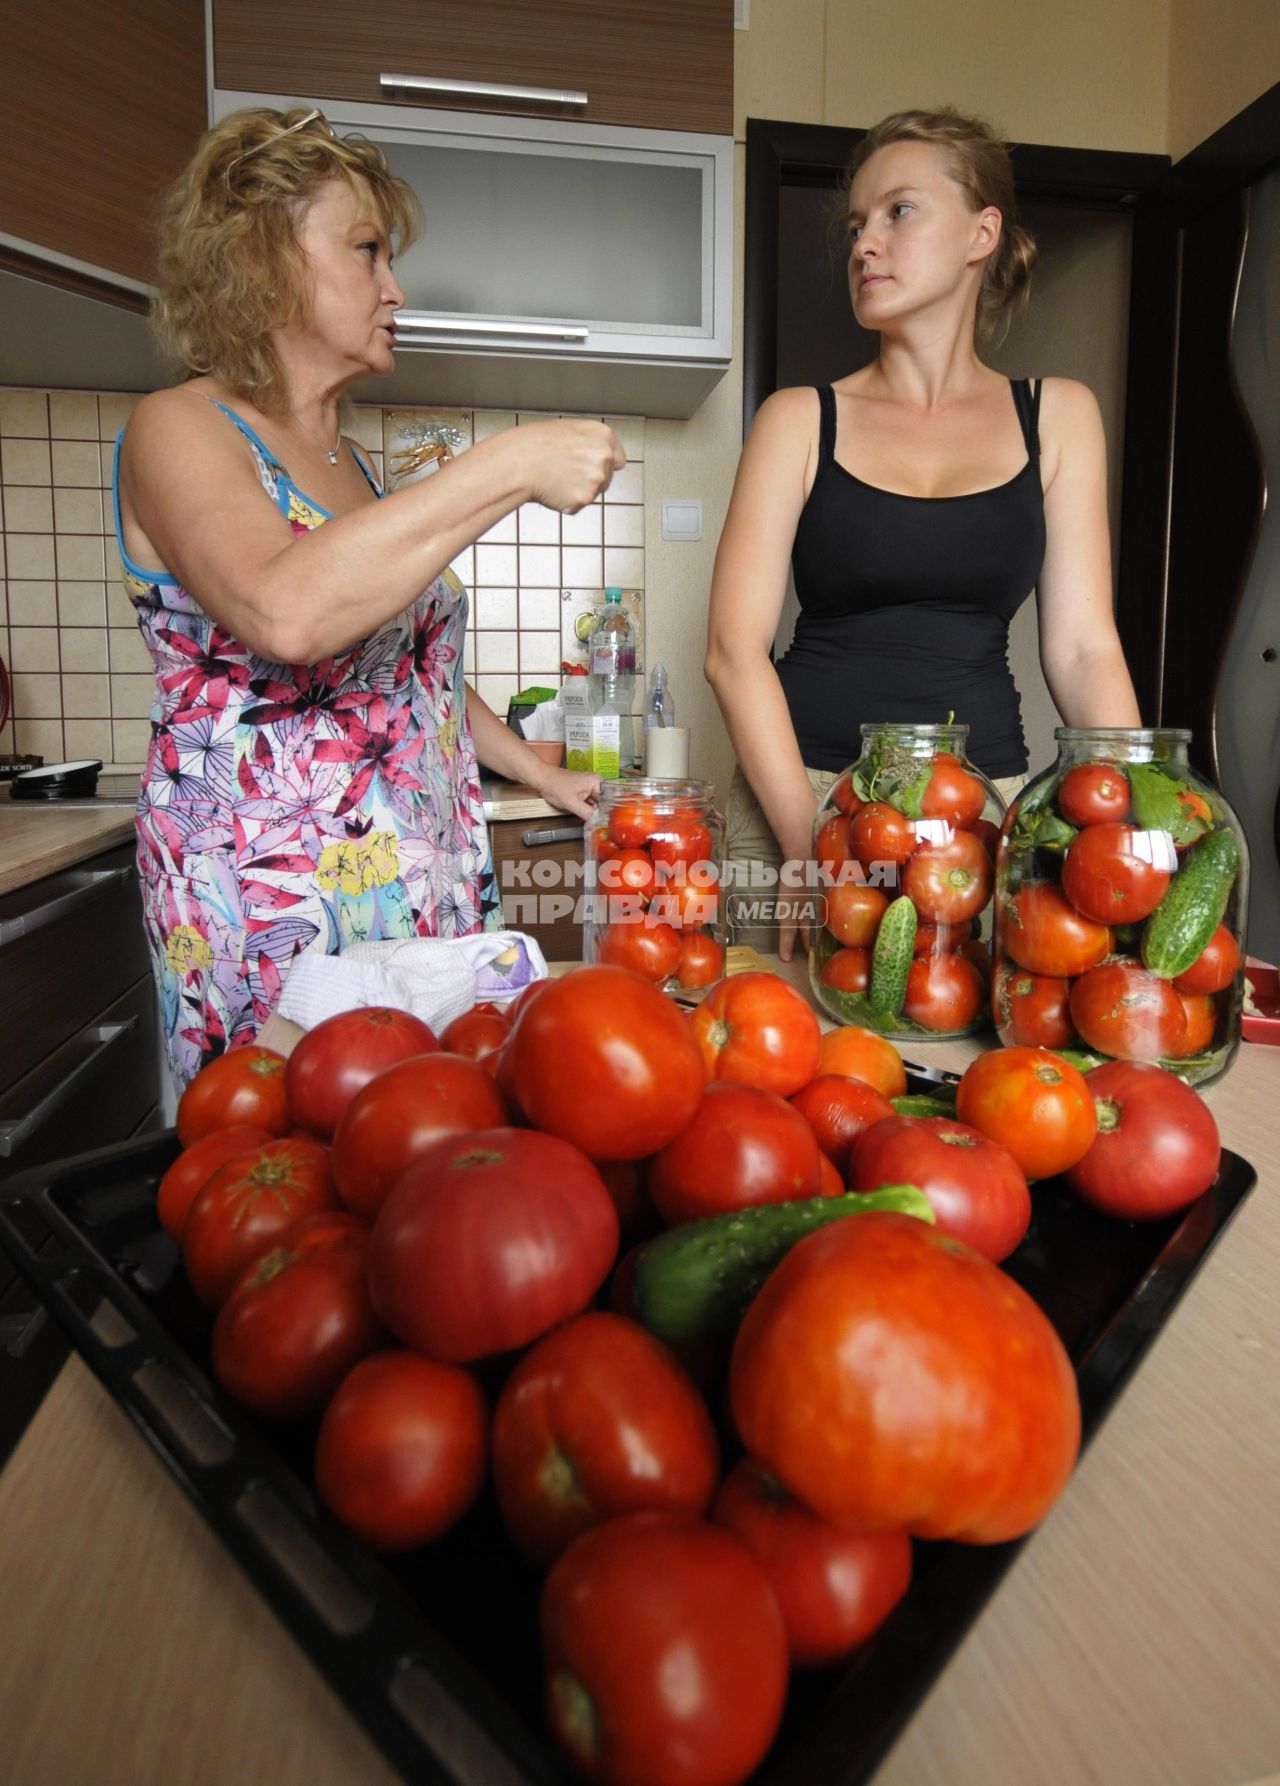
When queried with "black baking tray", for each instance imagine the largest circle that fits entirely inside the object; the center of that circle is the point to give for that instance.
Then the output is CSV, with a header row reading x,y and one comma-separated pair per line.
x,y
436,1652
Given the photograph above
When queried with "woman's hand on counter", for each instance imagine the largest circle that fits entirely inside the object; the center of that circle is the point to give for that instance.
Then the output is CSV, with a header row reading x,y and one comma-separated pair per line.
x,y
506,753
568,790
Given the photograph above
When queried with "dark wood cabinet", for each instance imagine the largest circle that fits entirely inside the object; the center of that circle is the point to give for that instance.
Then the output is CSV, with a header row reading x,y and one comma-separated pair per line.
x,y
666,64
100,107
541,881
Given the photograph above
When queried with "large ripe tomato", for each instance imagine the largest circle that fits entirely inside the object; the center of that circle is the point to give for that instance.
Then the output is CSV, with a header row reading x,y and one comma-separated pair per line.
x,y
298,1319
1122,1010
478,1034
630,871
1200,1011
338,1056
651,950
598,1419
632,823
488,1241
400,1455
701,960
861,1054
665,1653
242,1211
832,848
949,882
244,1088
1214,968
880,833
603,1059
848,970
834,1587
1031,1101
402,1114
854,913
681,847
1157,1147
742,1146
755,1029
1043,932
844,796
1117,874
195,1166
839,1110
941,939
977,1189
1031,1009
944,992
1094,794
952,792
894,1379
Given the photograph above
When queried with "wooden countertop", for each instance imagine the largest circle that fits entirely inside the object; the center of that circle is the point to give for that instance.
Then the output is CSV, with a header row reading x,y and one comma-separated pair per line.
x,y
39,837
1132,1644
514,800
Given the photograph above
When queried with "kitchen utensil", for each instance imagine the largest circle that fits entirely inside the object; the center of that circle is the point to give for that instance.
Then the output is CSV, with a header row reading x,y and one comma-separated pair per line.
x,y
58,781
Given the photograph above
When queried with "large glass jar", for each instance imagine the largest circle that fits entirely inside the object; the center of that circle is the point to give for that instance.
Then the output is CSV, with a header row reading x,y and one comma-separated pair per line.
x,y
654,850
1121,893
904,844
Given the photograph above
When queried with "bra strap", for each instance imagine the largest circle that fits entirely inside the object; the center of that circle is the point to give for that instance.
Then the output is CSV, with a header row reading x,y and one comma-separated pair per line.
x,y
1026,399
826,426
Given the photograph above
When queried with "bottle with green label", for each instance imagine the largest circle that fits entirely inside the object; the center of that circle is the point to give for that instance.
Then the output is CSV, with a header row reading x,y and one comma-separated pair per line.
x,y
1121,900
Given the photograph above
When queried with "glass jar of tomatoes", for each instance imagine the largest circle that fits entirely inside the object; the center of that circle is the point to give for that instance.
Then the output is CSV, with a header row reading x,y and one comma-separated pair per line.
x,y
1121,893
654,850
904,844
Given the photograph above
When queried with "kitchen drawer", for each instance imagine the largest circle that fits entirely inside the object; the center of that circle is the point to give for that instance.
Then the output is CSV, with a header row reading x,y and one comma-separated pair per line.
x,y
69,945
99,1087
536,879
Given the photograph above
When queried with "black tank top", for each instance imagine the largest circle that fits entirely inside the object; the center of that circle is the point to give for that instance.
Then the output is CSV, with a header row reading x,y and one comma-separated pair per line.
x,y
905,604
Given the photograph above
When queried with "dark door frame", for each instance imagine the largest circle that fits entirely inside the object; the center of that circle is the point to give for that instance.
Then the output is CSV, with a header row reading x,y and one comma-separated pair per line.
x,y
1191,483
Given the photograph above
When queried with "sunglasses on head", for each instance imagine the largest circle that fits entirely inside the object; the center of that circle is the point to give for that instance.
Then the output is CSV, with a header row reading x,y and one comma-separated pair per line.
x,y
312,117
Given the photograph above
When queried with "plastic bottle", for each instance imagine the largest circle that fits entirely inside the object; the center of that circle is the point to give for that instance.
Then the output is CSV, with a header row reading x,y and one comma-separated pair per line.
x,y
659,706
612,669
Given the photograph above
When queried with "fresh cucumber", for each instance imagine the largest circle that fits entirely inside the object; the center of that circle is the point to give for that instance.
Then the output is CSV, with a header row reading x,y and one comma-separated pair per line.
x,y
915,1103
1179,929
697,1280
891,958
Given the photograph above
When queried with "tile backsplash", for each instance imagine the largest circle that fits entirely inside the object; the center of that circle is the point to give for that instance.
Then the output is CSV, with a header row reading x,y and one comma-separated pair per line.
x,y
80,673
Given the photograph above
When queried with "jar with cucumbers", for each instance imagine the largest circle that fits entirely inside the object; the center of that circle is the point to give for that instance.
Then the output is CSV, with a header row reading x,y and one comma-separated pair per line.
x,y
905,844
1121,894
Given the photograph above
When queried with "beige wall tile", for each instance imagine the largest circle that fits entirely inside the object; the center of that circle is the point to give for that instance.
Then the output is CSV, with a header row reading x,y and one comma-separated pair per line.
x,y
623,524
624,566
131,696
81,558
29,510
539,565
84,648
43,736
82,604
630,431
120,610
88,738
33,648
488,422
627,485
464,566
497,691
78,511
540,608
495,608
502,533
582,566
24,413
539,655
25,462
496,566
32,604
496,652
582,529
106,464
30,555
78,463
85,697
36,697
129,652
131,739
538,526
73,415
114,410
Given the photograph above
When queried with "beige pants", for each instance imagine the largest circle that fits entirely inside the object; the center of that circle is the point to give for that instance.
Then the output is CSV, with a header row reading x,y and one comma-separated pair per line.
x,y
750,845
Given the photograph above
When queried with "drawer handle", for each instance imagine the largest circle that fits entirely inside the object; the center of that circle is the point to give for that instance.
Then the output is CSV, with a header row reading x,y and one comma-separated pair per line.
x,y
554,834
417,322
429,83
19,1130
98,883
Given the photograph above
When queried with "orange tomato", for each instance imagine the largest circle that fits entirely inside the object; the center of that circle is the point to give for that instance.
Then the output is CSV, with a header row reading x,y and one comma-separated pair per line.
x,y
862,1054
1034,1103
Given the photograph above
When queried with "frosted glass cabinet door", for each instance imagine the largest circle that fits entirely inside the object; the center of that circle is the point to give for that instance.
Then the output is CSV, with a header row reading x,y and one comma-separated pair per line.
x,y
557,238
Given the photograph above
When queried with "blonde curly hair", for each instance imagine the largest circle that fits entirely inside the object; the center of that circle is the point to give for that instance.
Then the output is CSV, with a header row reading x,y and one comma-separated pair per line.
x,y
230,269
978,160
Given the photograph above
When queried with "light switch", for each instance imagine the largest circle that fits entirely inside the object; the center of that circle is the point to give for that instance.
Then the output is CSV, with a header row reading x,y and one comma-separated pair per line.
x,y
681,518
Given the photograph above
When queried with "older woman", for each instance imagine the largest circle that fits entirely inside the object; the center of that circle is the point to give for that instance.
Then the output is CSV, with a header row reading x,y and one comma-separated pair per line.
x,y
919,500
312,774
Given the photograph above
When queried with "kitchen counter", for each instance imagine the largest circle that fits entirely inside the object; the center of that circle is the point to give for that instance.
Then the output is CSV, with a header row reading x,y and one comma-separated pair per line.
x,y
1131,1644
513,800
38,837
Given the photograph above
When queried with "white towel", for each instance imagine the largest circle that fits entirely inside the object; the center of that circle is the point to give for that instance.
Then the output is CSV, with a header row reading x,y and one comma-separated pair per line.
x,y
436,979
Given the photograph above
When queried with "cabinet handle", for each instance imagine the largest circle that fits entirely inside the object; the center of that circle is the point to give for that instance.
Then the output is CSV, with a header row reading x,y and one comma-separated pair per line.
x,y
95,885
18,1130
430,83
417,322
555,834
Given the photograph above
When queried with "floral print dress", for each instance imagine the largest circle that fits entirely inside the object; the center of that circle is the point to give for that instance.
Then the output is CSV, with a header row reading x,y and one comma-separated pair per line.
x,y
294,807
